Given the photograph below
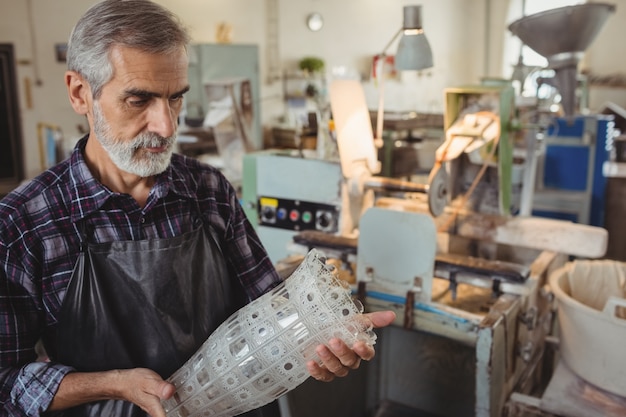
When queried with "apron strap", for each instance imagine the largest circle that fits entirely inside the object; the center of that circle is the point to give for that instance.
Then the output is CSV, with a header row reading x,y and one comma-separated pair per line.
x,y
86,232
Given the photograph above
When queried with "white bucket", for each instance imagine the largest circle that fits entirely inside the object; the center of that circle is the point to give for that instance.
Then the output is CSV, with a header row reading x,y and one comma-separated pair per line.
x,y
591,303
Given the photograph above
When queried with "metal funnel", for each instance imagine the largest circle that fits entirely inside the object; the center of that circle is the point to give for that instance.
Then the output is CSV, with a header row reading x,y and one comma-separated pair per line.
x,y
562,35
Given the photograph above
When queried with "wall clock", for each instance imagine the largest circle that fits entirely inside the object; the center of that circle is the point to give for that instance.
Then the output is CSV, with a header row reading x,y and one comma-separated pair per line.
x,y
314,21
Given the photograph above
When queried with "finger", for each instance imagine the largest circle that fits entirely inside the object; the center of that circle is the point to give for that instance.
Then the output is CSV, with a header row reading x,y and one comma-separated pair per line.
x,y
381,318
330,359
346,356
167,390
318,372
364,351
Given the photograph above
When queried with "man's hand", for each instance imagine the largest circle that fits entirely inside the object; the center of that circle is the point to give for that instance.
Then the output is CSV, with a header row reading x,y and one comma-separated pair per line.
x,y
146,389
338,358
140,386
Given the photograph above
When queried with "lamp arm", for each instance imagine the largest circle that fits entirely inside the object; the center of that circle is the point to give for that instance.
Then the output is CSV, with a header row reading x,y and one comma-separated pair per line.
x,y
381,104
392,40
381,93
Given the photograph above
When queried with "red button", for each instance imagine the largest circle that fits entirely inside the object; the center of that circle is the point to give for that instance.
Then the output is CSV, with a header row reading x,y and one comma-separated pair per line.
x,y
294,215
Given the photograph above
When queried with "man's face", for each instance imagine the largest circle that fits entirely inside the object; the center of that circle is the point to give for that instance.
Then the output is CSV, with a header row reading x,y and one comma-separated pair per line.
x,y
135,119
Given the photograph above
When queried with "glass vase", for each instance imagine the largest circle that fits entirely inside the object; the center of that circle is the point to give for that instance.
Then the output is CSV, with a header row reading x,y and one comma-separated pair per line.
x,y
260,352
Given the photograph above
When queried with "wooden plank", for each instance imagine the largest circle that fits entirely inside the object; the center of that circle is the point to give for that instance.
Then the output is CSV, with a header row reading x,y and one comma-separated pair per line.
x,y
554,235
529,232
569,395
520,405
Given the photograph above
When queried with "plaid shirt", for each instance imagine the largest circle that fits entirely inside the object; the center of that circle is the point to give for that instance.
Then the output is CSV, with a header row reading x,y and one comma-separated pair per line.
x,y
40,242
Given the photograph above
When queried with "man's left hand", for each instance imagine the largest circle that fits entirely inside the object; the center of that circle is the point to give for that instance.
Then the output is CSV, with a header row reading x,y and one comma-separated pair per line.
x,y
338,359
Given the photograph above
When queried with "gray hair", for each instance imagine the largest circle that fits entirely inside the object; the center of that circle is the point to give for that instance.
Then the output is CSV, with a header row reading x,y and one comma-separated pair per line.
x,y
139,24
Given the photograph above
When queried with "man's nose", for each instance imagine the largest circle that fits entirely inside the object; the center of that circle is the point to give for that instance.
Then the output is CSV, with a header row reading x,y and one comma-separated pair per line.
x,y
163,119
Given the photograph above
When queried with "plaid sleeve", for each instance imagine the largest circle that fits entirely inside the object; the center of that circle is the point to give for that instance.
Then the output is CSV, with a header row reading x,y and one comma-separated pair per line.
x,y
31,388
26,387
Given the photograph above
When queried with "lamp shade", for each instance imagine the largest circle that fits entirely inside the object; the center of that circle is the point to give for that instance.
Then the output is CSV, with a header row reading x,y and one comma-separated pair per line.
x,y
414,51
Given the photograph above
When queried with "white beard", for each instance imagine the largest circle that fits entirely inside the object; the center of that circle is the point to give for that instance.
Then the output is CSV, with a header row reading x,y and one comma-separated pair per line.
x,y
129,155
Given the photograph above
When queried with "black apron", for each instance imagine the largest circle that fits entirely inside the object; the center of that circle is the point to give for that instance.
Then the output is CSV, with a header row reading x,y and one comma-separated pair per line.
x,y
148,304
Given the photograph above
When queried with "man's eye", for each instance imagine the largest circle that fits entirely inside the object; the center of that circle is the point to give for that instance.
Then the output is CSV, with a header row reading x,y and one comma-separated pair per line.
x,y
176,98
137,102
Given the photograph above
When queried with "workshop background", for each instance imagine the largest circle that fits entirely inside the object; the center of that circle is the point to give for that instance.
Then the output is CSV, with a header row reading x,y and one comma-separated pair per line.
x,y
487,214
467,38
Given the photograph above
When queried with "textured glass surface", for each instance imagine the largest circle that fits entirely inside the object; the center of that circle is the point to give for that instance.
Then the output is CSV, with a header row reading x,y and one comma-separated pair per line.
x,y
260,352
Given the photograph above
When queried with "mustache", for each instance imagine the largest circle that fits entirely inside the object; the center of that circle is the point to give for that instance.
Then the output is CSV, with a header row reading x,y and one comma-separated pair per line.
x,y
152,140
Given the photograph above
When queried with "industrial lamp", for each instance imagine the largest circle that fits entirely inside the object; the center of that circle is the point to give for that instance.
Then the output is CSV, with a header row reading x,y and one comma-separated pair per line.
x,y
413,50
413,54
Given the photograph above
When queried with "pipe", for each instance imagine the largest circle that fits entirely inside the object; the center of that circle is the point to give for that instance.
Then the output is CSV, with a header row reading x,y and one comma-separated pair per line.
x,y
393,184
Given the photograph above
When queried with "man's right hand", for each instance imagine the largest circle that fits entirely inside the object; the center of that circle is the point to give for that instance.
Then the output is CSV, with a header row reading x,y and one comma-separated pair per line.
x,y
141,386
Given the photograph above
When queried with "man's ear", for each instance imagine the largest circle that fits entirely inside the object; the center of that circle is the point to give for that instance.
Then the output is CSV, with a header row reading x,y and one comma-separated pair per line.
x,y
78,91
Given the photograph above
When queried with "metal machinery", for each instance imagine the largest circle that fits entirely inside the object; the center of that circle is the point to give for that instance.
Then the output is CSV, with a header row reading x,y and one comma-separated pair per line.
x,y
468,284
562,35
569,180
466,277
467,287
571,149
564,153
284,194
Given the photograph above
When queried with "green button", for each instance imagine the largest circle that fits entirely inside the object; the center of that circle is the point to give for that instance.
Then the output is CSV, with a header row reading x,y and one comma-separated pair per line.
x,y
307,217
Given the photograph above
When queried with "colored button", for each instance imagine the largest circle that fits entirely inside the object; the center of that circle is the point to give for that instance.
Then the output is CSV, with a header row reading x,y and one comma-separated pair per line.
x,y
268,214
307,217
294,215
270,202
281,214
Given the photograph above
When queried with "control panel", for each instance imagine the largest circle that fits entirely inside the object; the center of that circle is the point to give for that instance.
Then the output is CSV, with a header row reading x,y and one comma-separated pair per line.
x,y
298,215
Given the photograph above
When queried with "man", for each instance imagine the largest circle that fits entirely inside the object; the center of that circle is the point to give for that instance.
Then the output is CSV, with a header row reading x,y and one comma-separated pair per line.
x,y
122,259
